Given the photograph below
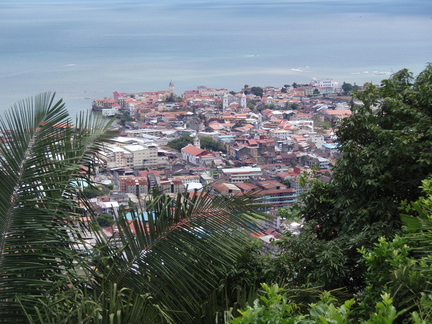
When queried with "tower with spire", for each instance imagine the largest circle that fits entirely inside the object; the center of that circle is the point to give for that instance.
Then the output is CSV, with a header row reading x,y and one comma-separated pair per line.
x,y
243,103
197,142
171,88
225,102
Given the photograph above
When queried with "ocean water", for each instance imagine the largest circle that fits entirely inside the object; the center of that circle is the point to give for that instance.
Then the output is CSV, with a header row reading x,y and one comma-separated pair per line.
x,y
84,50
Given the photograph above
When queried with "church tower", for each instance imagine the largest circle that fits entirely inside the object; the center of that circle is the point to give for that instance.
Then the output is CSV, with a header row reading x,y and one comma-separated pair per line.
x,y
243,101
225,101
171,88
197,142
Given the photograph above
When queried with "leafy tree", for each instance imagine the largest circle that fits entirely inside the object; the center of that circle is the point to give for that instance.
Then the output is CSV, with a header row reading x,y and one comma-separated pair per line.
x,y
347,88
274,306
170,98
210,144
316,92
325,124
125,116
385,146
180,142
290,213
251,105
95,191
385,156
257,91
105,220
400,266
239,123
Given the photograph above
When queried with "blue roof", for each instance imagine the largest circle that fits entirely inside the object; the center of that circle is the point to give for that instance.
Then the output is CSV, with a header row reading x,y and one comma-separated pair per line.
x,y
331,145
130,215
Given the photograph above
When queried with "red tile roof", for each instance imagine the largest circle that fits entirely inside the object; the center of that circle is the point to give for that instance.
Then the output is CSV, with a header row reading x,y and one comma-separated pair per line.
x,y
193,150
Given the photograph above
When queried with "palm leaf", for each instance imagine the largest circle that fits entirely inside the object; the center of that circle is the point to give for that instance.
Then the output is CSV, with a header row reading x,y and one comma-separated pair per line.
x,y
41,154
178,250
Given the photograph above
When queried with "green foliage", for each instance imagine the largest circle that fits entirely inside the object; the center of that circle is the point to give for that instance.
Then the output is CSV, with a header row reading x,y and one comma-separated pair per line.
x,y
325,310
105,220
95,191
294,106
385,155
385,148
424,313
188,252
384,265
251,105
273,306
401,267
290,213
40,162
84,305
305,262
239,123
257,91
385,312
325,124
209,144
125,117
347,88
180,142
170,98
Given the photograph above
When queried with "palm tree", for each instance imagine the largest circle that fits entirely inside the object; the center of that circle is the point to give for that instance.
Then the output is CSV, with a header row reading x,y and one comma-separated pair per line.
x,y
168,264
41,153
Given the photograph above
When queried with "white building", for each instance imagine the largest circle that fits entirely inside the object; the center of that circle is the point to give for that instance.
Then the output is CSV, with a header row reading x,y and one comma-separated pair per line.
x,y
109,112
281,134
229,99
326,83
242,174
317,139
130,154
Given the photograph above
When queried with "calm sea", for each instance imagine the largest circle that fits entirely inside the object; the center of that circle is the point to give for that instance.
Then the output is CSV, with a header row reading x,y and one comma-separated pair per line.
x,y
88,49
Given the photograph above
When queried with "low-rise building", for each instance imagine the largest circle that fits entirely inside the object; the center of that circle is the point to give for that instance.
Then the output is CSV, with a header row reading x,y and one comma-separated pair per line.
x,y
134,185
196,156
226,188
242,174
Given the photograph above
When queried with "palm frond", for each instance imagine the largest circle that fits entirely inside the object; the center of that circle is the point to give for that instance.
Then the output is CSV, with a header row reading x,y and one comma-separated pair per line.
x,y
83,305
41,154
178,249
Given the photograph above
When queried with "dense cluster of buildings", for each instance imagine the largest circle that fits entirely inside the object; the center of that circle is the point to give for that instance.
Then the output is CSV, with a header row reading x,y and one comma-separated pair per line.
x,y
268,142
